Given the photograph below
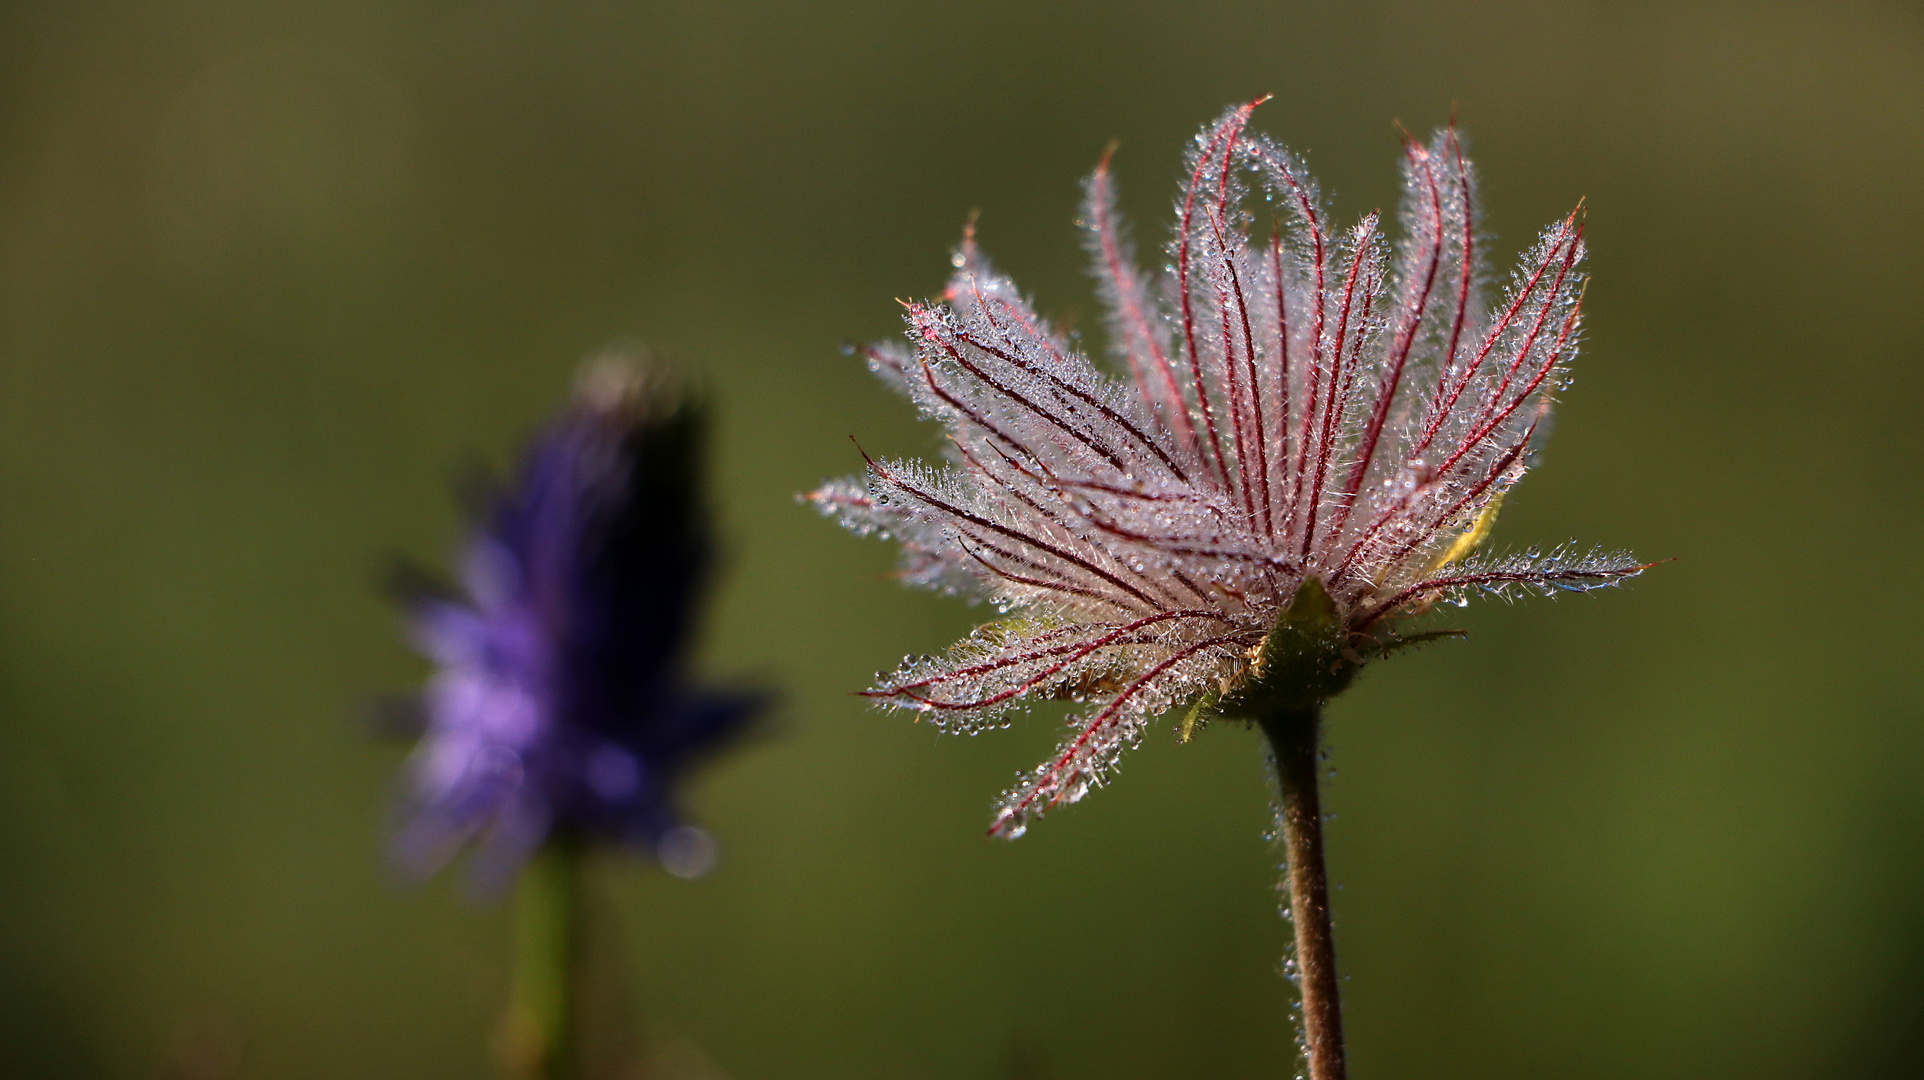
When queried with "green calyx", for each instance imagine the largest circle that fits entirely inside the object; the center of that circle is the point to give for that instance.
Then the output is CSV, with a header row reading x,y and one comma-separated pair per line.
x,y
1301,664
1309,657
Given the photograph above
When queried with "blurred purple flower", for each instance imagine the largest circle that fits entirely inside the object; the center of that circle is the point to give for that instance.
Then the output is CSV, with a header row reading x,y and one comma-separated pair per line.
x,y
559,706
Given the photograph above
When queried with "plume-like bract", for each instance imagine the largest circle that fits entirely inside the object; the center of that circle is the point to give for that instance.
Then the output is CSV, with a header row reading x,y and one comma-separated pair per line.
x,y
1313,403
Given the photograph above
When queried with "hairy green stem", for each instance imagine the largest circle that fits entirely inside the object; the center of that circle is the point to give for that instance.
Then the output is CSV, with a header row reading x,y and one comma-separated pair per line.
x,y
1293,736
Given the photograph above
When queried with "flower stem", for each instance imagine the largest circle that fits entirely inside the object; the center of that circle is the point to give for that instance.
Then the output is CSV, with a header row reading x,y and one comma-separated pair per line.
x,y
539,1040
1293,736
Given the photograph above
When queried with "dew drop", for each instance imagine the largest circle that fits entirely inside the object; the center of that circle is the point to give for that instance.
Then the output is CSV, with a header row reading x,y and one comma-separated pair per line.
x,y
686,852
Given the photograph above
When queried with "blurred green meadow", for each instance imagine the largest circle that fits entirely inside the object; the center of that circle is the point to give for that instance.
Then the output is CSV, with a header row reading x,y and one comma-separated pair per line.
x,y
268,272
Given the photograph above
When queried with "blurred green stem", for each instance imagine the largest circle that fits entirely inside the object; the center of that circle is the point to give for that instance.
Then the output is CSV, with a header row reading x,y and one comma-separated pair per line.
x,y
540,1042
1293,736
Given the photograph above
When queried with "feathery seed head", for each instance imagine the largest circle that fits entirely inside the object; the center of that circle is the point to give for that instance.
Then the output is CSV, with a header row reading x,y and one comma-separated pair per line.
x,y
1310,439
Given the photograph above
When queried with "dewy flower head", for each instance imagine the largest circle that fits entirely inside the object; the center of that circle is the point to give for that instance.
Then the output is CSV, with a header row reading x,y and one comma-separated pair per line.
x,y
559,705
1313,437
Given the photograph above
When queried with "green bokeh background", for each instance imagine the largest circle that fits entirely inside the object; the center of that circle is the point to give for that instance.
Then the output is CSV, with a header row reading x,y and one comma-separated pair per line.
x,y
267,271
